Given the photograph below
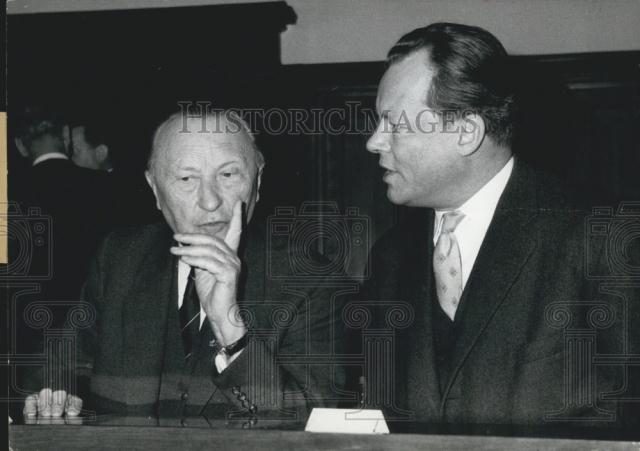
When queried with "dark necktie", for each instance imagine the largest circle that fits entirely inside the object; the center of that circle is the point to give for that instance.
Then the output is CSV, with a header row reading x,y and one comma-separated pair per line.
x,y
190,315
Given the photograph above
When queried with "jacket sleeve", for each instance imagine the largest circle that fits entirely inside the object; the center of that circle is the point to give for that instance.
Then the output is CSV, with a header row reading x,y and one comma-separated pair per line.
x,y
91,298
288,367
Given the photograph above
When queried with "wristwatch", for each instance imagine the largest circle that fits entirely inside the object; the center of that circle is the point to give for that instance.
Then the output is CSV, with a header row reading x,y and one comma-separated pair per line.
x,y
232,348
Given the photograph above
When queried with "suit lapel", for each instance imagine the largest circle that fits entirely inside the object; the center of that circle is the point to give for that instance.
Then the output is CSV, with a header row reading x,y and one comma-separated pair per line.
x,y
145,312
506,248
416,283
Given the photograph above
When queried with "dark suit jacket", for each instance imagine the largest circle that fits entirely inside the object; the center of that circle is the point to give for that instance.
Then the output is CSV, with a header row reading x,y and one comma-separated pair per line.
x,y
531,290
75,201
132,284
62,219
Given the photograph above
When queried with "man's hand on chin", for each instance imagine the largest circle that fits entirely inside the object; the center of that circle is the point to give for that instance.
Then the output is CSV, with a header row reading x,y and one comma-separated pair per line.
x,y
51,404
217,272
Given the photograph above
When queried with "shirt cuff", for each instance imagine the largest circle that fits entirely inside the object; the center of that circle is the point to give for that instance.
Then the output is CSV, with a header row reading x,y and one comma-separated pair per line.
x,y
223,361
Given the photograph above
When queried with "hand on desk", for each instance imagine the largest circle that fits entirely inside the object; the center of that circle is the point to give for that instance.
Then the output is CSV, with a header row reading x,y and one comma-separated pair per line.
x,y
48,403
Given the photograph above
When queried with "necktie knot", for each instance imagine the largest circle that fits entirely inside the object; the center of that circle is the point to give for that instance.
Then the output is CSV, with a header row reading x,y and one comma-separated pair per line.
x,y
450,221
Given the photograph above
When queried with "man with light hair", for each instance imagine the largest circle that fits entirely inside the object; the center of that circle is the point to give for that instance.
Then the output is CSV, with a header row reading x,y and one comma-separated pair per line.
x,y
189,326
492,255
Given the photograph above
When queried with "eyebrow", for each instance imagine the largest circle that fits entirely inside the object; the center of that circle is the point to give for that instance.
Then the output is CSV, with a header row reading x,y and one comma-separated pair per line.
x,y
197,169
188,168
231,162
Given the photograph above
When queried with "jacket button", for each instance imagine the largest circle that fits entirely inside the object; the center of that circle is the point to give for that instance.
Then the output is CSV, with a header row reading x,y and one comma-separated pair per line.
x,y
184,396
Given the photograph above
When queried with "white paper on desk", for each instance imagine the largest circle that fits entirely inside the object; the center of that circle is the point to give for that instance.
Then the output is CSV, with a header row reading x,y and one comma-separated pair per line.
x,y
347,421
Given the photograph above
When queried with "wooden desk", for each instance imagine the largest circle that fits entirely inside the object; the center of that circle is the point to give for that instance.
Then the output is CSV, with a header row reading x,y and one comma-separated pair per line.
x,y
68,437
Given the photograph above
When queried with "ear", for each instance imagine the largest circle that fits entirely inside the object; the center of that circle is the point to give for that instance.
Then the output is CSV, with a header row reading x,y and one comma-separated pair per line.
x,y
66,137
102,152
22,148
259,182
152,183
472,133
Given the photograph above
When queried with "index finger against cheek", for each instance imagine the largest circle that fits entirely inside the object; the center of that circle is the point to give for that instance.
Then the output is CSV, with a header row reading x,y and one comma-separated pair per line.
x,y
235,227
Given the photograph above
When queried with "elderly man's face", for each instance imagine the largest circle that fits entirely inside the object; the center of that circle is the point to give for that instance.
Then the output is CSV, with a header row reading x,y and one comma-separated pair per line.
x,y
198,177
415,148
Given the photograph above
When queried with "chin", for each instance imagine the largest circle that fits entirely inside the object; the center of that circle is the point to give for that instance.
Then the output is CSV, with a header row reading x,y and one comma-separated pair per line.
x,y
394,196
403,199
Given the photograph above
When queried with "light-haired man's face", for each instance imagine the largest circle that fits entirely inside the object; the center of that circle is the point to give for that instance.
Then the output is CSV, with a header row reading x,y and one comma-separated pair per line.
x,y
198,177
412,141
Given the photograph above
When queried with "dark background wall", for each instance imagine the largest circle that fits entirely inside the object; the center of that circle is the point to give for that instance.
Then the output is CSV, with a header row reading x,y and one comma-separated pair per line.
x,y
136,65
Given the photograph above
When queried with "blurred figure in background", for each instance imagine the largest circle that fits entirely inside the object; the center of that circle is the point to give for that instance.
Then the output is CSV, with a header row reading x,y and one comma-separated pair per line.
x,y
70,195
90,148
72,214
100,141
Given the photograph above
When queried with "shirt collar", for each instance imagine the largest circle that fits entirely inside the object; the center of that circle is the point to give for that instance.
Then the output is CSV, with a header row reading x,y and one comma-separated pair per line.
x,y
482,205
50,156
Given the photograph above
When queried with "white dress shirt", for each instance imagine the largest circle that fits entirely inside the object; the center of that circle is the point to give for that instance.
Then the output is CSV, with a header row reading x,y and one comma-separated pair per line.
x,y
221,360
478,211
50,156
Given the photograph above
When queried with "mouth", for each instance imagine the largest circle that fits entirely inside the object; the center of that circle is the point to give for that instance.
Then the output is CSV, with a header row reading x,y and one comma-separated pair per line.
x,y
387,174
212,227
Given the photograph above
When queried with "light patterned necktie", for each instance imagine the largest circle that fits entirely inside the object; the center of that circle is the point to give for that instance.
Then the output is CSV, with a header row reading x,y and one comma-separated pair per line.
x,y
447,265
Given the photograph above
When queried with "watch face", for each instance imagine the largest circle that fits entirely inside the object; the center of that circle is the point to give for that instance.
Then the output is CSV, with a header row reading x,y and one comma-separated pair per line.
x,y
233,348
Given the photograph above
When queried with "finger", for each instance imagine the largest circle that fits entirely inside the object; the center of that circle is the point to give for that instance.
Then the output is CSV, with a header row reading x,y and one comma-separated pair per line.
x,y
31,420
235,228
44,402
74,420
197,238
50,420
205,251
210,265
74,406
30,406
194,240
58,403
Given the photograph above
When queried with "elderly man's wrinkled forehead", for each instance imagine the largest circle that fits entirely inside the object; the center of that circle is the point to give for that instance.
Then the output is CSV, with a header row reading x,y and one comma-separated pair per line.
x,y
180,134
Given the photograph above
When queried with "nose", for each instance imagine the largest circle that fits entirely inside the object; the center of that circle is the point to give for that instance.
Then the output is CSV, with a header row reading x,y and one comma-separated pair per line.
x,y
208,197
379,141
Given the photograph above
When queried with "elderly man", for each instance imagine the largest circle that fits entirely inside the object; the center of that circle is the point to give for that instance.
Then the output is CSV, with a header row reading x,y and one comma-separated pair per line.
x,y
188,322
493,256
